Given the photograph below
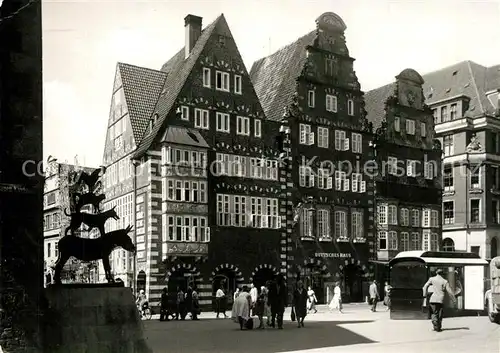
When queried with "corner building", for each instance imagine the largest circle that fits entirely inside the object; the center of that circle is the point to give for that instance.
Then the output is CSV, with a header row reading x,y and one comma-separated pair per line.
x,y
408,180
201,168
314,82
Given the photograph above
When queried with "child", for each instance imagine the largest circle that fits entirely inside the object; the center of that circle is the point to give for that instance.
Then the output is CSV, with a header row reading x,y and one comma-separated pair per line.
x,y
259,308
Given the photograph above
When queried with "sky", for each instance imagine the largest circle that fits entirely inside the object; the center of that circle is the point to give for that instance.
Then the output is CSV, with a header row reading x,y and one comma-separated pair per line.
x,y
84,40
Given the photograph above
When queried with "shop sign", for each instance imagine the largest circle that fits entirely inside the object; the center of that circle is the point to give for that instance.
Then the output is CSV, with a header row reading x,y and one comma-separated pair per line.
x,y
338,255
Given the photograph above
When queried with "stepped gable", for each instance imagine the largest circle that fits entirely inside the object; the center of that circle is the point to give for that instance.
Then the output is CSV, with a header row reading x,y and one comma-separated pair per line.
x,y
464,78
274,77
141,87
178,69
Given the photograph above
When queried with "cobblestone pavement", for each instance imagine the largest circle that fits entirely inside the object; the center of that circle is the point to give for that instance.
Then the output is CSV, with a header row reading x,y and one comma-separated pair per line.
x,y
357,330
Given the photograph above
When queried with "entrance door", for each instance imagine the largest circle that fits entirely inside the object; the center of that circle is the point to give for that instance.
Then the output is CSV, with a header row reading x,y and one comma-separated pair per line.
x,y
407,280
353,281
312,276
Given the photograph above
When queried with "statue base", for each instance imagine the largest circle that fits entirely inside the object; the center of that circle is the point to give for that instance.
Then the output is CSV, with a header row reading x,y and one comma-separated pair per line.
x,y
92,318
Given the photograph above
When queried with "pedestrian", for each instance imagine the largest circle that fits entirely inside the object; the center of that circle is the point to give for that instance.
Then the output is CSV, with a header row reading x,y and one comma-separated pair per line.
x,y
427,299
164,305
336,302
195,306
259,308
236,293
311,301
440,287
264,290
241,309
277,301
220,302
180,303
253,295
374,296
387,295
300,303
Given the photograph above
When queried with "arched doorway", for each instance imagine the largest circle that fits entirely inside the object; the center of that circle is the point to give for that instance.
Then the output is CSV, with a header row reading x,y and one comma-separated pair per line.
x,y
261,277
494,247
225,278
141,281
315,276
448,244
352,283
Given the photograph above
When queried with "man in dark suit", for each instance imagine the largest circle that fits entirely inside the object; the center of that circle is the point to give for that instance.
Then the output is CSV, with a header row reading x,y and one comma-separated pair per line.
x,y
440,287
277,300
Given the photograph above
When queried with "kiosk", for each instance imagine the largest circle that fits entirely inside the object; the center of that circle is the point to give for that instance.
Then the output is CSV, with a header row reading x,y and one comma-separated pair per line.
x,y
410,270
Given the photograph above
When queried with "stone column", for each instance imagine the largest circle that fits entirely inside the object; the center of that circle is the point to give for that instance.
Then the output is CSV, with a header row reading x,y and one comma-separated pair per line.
x,y
21,185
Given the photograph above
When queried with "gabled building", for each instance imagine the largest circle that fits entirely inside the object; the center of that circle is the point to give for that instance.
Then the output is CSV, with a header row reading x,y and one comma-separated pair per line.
x,y
328,144
200,174
464,99
408,180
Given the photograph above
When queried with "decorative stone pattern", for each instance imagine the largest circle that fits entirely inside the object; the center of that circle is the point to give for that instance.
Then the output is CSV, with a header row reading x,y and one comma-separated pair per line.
x,y
186,208
186,248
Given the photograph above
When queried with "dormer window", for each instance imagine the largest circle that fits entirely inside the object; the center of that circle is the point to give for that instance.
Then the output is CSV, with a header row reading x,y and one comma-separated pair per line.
x,y
184,113
444,114
436,116
222,81
453,111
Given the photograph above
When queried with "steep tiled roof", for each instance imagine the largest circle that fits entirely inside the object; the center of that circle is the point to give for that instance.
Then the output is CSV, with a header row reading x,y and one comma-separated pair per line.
x,y
184,136
464,78
178,69
274,76
493,78
141,87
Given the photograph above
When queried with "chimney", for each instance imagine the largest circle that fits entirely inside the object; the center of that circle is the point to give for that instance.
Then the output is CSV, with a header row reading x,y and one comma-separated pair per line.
x,y
192,25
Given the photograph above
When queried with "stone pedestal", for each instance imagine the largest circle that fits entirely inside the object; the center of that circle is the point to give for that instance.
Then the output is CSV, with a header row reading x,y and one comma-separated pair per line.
x,y
92,319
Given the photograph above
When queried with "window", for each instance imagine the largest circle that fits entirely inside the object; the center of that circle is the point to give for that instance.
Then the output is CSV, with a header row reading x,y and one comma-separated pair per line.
x,y
423,129
306,136
222,81
411,168
496,177
331,103
306,223
475,250
415,241
306,177
425,241
382,214
410,127
495,142
392,213
190,191
51,198
405,217
392,165
426,218
201,119
448,145
397,123
206,77
495,209
324,179
453,111
340,224
356,182
434,219
237,84
341,181
323,223
382,241
222,120
186,229
310,98
436,116
257,128
243,126
429,172
329,67
49,253
323,137
357,225
415,218
448,178
341,142
393,240
184,113
448,245
444,114
357,143
405,241
350,107
475,180
434,242
448,212
475,214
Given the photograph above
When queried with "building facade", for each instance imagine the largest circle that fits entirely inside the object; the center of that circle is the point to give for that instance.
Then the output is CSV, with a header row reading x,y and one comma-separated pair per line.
x,y
408,174
328,134
464,101
56,204
200,167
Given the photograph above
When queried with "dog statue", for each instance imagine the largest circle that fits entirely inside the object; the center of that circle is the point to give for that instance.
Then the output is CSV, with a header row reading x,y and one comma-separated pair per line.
x,y
92,180
91,220
81,200
93,249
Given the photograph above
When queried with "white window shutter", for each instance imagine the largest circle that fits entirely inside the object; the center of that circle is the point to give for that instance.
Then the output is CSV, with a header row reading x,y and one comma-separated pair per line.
x,y
363,186
329,183
346,144
426,170
408,168
311,138
354,183
346,184
312,179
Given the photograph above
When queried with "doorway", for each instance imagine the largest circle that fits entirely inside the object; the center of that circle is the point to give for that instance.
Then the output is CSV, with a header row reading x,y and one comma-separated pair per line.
x,y
226,279
312,275
353,283
262,276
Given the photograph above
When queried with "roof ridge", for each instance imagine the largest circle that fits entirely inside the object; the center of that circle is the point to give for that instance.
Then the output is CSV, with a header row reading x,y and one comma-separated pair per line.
x,y
473,78
138,67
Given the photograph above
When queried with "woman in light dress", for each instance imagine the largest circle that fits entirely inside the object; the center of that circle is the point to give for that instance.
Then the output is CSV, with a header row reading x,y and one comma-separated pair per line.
x,y
267,309
336,302
241,307
311,300
387,296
